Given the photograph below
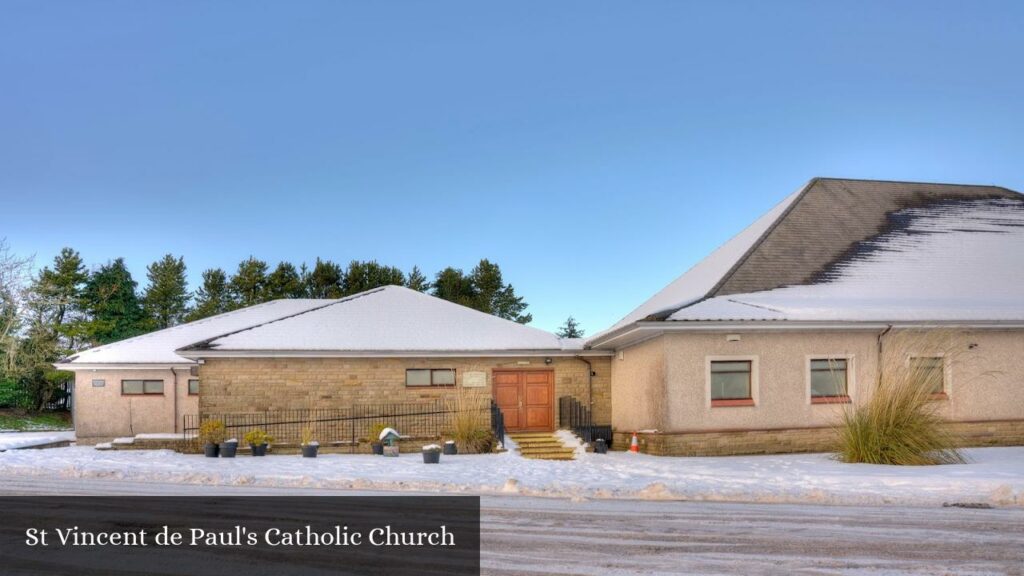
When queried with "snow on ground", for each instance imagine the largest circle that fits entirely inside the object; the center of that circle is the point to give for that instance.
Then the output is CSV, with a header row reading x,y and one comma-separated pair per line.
x,y
15,440
993,476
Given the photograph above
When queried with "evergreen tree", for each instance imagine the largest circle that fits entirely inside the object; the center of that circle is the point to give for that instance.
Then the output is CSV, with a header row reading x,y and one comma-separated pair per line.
x,y
454,286
55,298
362,276
213,297
249,284
285,282
324,281
494,296
113,308
166,298
571,329
417,281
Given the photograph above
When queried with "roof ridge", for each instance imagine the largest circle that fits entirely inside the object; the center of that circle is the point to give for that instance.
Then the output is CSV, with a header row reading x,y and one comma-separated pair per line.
x,y
923,182
207,341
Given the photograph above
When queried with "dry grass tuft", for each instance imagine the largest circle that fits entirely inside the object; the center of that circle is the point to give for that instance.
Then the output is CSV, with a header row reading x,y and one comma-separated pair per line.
x,y
900,423
469,420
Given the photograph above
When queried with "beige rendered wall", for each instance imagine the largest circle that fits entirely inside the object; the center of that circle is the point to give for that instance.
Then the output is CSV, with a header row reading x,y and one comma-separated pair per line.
x,y
638,387
232,385
101,413
984,383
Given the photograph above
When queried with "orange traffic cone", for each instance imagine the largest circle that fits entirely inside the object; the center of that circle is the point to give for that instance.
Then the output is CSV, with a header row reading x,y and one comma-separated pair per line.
x,y
634,446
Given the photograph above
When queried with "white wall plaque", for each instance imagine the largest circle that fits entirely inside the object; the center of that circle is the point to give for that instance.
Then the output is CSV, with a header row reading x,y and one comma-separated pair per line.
x,y
474,379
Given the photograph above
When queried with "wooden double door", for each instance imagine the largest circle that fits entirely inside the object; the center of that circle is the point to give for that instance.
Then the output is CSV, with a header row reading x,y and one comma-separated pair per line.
x,y
526,399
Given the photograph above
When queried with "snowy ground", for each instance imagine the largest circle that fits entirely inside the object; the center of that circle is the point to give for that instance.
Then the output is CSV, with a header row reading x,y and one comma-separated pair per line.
x,y
549,537
15,440
994,475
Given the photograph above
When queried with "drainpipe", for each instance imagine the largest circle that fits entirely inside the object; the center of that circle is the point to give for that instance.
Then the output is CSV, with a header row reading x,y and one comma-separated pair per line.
x,y
174,392
878,370
590,384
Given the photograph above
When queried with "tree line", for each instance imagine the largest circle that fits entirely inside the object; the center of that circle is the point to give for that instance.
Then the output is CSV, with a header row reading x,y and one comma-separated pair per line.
x,y
66,306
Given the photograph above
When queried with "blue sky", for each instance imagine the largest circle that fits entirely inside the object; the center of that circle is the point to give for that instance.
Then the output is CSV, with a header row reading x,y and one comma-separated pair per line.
x,y
595,150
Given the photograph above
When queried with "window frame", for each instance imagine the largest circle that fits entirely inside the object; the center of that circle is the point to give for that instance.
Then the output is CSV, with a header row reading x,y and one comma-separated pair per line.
x,y
190,381
850,378
163,387
753,400
946,380
432,371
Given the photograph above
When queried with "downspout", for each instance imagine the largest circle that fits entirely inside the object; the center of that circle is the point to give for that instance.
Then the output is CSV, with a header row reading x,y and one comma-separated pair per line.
x,y
878,370
174,391
590,384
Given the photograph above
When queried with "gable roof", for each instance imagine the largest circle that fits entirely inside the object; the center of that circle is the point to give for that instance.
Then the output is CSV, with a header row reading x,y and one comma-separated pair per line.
x,y
860,249
159,347
388,320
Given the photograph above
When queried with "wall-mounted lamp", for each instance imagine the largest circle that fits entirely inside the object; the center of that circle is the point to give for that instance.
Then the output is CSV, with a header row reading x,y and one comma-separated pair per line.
x,y
547,360
732,337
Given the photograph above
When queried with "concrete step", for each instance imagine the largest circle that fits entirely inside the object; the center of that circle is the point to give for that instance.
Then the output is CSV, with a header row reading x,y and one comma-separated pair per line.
x,y
541,446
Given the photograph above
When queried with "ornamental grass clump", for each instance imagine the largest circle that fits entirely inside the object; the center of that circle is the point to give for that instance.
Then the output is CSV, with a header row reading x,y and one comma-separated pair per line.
x,y
469,421
900,424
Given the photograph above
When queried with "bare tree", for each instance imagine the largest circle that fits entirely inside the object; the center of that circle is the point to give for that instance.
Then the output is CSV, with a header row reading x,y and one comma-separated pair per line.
x,y
15,274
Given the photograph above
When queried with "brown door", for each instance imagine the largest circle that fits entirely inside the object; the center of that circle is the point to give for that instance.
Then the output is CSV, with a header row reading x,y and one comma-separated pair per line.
x,y
526,398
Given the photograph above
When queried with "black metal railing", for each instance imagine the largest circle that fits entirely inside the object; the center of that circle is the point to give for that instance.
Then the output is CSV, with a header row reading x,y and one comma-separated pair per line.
x,y
572,414
344,426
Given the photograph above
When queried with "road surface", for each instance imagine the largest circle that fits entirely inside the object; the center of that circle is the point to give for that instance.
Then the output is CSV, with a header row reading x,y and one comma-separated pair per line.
x,y
535,536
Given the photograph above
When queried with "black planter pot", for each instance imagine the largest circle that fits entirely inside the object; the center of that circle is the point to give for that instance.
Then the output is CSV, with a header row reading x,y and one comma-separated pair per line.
x,y
211,450
378,448
260,450
309,451
600,446
228,449
431,457
450,449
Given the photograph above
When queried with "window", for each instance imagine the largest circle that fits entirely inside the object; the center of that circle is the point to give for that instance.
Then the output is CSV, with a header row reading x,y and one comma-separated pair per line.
x,y
730,383
193,387
430,377
142,387
929,372
829,380
99,383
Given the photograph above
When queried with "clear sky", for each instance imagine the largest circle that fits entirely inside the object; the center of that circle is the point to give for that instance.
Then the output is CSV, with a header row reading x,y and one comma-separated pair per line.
x,y
595,150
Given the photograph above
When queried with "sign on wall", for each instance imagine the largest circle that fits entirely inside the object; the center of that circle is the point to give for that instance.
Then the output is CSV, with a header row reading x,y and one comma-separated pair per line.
x,y
474,379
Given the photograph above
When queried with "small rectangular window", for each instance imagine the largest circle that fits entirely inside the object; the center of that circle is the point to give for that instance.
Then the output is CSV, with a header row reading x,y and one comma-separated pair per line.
x,y
142,387
730,380
430,377
929,372
829,378
99,383
193,387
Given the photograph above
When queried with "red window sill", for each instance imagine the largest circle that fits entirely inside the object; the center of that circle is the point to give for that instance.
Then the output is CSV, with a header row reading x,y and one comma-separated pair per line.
x,y
735,402
830,400
940,396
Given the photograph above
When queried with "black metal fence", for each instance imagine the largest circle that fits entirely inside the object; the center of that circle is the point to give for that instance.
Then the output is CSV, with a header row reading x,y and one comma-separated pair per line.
x,y
572,414
344,426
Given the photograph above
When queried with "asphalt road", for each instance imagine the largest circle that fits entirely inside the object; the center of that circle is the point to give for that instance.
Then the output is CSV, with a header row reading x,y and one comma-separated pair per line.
x,y
552,536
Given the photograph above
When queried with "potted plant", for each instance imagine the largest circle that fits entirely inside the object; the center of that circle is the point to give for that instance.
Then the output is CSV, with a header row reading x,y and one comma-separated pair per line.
x,y
432,454
211,434
258,441
450,449
229,448
374,438
309,446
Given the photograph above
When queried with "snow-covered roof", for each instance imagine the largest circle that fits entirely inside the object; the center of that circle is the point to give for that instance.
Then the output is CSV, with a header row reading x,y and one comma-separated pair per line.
x,y
159,347
860,250
954,261
382,320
